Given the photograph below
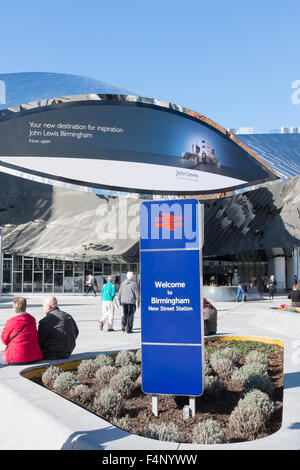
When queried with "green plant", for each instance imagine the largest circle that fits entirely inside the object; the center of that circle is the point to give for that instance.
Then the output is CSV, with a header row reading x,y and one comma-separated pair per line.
x,y
50,375
109,402
162,432
124,358
104,360
65,381
208,432
258,400
123,384
82,394
87,369
104,375
246,423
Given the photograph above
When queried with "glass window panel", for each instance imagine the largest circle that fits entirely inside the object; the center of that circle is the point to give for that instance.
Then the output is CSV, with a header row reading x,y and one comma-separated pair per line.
x,y
38,282
48,277
124,268
48,287
69,266
48,264
97,267
7,271
78,266
133,268
38,264
27,287
6,287
58,265
116,268
5,256
68,281
27,271
58,282
18,263
17,282
78,282
107,269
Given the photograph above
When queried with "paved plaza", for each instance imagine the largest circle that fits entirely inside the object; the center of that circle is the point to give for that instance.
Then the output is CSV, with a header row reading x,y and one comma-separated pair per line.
x,y
70,427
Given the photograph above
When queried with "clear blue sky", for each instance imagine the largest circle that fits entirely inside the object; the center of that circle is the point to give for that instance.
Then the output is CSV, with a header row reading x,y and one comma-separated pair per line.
x,y
233,61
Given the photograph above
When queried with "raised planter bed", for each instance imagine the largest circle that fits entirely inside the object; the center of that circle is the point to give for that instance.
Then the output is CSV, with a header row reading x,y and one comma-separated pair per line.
x,y
217,405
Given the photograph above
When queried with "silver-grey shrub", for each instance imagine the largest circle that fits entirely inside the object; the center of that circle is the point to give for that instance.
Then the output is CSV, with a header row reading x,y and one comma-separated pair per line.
x,y
104,360
104,375
50,375
232,354
65,381
257,357
87,369
208,432
246,423
242,375
122,384
259,382
258,400
223,367
124,358
213,386
138,356
109,402
82,394
132,370
162,432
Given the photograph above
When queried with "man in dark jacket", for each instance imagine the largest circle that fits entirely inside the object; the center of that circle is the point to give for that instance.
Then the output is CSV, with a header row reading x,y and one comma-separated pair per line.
x,y
57,331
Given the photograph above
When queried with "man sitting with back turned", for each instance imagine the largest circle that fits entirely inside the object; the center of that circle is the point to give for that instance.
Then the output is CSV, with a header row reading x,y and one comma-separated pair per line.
x,y
57,331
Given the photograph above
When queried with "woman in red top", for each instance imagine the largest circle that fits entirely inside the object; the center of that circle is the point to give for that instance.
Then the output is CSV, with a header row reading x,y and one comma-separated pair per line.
x,y
20,336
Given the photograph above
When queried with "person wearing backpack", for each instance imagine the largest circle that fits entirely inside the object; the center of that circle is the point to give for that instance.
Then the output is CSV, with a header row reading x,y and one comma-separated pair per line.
x,y
108,294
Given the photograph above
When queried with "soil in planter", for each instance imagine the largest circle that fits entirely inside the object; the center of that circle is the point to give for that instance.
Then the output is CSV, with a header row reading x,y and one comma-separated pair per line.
x,y
138,408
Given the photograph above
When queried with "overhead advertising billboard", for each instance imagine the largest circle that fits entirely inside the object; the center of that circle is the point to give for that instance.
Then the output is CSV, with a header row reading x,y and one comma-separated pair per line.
x,y
130,146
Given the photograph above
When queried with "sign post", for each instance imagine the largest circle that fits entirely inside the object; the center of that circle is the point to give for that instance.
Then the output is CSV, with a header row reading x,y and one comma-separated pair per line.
x,y
171,298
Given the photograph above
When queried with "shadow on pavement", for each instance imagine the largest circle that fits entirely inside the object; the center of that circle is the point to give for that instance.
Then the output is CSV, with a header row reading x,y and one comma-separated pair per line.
x,y
97,439
292,379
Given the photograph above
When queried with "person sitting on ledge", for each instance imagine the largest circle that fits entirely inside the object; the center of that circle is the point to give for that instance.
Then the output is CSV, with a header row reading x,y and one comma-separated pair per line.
x,y
57,331
210,318
20,336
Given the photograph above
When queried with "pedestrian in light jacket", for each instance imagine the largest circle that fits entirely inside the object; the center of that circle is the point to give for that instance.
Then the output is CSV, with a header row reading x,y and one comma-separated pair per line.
x,y
108,294
129,300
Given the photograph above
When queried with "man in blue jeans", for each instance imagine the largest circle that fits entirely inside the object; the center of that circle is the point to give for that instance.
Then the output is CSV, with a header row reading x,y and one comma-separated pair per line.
x,y
243,288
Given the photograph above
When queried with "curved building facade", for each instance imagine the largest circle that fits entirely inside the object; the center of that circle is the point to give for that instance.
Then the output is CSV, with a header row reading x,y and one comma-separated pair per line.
x,y
72,147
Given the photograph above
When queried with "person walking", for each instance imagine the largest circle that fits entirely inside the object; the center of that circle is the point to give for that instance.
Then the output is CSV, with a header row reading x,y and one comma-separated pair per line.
x,y
272,283
243,288
90,285
129,300
20,336
108,294
57,331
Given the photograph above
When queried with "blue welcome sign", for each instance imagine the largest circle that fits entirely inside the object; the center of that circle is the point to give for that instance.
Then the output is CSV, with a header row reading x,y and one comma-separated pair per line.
x,y
171,288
